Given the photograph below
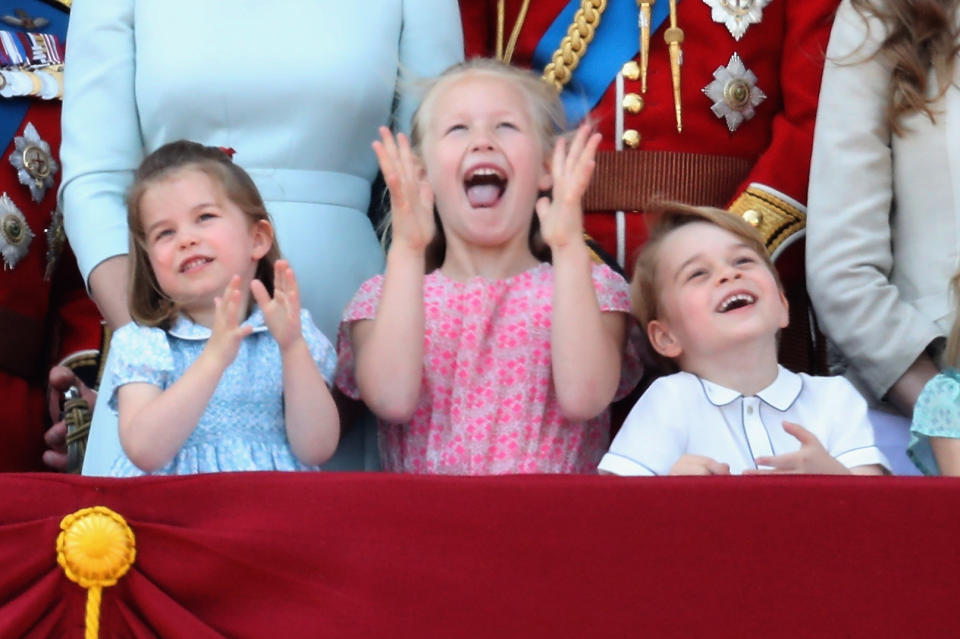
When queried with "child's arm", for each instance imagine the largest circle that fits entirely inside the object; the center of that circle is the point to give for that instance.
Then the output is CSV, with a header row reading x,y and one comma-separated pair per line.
x,y
389,348
586,343
154,423
811,459
310,414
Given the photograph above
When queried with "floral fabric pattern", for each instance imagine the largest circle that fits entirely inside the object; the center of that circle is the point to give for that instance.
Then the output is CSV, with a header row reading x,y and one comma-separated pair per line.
x,y
936,414
487,402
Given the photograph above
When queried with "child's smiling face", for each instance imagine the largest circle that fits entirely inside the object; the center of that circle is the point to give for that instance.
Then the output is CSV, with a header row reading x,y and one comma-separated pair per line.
x,y
197,239
484,160
715,293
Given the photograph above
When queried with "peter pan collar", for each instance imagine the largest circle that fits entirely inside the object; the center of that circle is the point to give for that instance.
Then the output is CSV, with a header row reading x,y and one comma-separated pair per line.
x,y
780,394
184,328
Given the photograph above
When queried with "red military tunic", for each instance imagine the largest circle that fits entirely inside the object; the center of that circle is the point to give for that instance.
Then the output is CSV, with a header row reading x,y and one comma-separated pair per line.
x,y
45,314
759,170
785,51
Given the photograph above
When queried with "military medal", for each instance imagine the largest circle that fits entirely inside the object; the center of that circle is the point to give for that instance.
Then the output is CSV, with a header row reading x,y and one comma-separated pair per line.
x,y
737,15
35,166
734,92
15,234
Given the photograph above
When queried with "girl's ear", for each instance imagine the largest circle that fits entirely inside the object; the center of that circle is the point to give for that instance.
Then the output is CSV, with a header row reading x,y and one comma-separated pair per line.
x,y
663,340
262,235
545,183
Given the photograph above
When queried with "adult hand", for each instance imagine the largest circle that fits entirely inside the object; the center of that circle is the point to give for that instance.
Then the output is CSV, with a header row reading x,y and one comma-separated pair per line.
x,y
61,379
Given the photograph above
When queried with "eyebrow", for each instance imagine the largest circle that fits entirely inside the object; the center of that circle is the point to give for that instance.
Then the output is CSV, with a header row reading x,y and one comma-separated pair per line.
x,y
202,205
733,247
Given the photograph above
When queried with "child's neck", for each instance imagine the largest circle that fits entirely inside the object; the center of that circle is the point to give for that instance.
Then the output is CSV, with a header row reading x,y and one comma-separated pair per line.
x,y
495,263
746,368
207,315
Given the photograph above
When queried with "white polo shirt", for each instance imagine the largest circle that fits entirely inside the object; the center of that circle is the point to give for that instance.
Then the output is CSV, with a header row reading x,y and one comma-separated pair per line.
x,y
685,414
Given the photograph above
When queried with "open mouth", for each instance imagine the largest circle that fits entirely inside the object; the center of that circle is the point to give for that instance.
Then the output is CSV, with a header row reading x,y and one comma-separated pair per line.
x,y
484,186
194,263
735,301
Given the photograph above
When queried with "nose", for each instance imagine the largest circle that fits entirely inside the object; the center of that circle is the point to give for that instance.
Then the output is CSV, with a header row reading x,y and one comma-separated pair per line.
x,y
481,141
186,239
726,274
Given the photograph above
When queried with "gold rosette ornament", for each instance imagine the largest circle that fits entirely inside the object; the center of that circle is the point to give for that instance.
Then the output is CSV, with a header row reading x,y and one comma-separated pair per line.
x,y
95,548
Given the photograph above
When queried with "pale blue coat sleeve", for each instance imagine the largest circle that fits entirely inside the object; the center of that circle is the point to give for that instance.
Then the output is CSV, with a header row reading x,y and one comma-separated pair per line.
x,y
430,41
101,145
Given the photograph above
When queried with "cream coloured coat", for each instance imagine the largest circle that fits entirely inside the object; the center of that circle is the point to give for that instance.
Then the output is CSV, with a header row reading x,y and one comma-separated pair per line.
x,y
883,227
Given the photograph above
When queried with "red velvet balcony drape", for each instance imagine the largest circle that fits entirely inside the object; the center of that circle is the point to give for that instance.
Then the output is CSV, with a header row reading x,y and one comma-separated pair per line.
x,y
378,555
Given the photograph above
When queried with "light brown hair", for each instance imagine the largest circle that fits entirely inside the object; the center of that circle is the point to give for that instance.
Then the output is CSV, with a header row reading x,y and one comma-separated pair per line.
x,y
149,305
546,111
667,217
919,35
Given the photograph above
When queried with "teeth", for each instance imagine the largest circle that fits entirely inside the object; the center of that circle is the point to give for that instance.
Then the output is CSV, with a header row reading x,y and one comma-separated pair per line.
x,y
194,262
484,172
740,299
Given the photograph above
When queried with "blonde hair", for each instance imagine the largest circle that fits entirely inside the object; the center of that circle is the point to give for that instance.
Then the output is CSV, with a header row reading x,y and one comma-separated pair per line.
x,y
546,110
149,305
920,35
668,217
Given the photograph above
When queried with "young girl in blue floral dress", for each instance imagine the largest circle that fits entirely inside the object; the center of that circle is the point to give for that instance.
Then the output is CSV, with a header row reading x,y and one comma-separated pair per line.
x,y
205,380
936,415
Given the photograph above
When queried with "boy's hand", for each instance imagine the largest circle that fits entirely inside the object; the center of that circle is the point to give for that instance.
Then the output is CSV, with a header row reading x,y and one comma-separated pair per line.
x,y
411,198
699,465
811,459
227,332
561,217
282,312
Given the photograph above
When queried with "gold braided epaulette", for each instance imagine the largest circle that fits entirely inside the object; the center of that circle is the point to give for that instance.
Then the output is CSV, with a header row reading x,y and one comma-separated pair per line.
x,y
775,218
574,45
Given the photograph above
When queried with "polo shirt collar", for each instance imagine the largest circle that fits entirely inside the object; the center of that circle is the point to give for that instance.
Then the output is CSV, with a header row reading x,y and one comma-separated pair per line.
x,y
780,394
184,328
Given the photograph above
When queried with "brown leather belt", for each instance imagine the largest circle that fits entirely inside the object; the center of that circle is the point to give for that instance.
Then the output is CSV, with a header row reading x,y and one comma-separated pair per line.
x,y
21,345
632,180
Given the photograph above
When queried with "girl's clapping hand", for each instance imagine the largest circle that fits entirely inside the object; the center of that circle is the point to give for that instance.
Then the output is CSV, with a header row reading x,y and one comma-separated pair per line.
x,y
281,313
411,198
561,217
227,332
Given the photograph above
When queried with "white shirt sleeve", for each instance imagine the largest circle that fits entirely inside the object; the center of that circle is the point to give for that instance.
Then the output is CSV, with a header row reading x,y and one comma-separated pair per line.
x,y
851,440
653,436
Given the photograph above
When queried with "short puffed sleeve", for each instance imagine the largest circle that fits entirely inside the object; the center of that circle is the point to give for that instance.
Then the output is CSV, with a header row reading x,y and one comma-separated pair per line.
x,y
936,414
320,347
613,295
363,306
139,354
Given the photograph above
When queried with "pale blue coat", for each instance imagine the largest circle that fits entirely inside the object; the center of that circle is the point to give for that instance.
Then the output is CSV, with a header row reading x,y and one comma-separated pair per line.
x,y
296,87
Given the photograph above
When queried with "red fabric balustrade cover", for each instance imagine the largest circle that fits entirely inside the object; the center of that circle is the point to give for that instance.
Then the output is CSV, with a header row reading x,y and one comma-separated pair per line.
x,y
373,555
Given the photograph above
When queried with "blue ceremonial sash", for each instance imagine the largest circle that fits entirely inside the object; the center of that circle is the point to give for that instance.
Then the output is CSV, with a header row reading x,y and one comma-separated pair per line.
x,y
12,110
616,40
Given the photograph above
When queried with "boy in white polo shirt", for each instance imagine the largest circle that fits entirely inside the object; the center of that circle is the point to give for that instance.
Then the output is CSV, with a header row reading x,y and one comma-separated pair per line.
x,y
712,305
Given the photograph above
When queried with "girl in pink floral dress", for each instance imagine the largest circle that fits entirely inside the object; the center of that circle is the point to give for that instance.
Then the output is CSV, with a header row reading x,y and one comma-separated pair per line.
x,y
492,343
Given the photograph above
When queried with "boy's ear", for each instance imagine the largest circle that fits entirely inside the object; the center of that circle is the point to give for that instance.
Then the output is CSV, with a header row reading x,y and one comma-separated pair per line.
x,y
663,340
262,234
785,314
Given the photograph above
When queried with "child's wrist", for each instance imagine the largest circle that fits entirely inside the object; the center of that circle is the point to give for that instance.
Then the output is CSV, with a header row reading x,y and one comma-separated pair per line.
x,y
403,254
573,249
297,343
